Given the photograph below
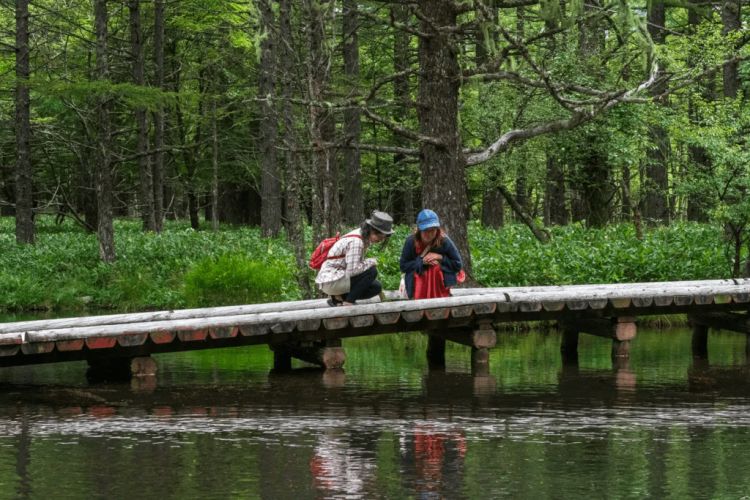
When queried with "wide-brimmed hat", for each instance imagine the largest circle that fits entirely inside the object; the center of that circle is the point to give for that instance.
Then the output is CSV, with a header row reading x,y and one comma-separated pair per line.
x,y
427,219
381,222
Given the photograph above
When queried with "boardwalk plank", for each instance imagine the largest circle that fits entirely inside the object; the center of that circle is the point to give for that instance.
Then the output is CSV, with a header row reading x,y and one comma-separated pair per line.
x,y
336,323
224,332
283,326
529,306
133,339
69,345
412,316
101,342
663,301
704,299
192,336
362,321
620,303
387,318
437,314
643,301
254,330
683,300
162,337
9,350
553,305
461,311
308,325
487,308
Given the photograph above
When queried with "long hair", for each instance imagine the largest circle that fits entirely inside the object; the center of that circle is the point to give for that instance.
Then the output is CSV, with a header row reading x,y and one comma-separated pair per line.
x,y
437,242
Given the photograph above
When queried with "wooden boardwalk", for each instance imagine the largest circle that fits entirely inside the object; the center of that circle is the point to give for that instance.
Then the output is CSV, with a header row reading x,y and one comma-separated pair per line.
x,y
312,331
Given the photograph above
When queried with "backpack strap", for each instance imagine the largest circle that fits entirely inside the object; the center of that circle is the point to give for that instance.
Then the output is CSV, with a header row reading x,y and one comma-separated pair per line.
x,y
344,255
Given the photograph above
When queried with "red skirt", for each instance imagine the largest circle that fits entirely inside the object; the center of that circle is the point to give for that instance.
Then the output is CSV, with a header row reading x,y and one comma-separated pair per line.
x,y
430,284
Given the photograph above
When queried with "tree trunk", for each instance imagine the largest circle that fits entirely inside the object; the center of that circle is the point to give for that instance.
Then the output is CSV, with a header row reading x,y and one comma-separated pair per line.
x,y
558,212
105,228
157,175
596,189
401,64
655,204
270,213
593,187
295,229
493,213
144,165
730,18
215,168
443,165
326,207
23,174
353,203
699,202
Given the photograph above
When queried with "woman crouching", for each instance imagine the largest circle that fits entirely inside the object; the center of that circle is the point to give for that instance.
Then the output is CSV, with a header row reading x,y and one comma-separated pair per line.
x,y
347,276
430,260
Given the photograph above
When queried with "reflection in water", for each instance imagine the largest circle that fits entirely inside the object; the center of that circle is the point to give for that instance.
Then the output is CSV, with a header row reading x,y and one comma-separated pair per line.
x,y
218,424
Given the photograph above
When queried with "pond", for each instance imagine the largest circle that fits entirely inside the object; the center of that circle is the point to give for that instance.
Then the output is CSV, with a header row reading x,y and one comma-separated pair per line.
x,y
220,423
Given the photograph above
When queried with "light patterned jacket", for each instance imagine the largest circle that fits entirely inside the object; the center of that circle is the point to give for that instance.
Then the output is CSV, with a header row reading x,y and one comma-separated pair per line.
x,y
352,264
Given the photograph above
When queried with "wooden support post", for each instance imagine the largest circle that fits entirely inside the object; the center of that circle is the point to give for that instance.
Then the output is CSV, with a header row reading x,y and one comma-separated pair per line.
x,y
700,340
143,366
327,353
480,361
569,344
620,348
435,351
282,360
621,329
122,368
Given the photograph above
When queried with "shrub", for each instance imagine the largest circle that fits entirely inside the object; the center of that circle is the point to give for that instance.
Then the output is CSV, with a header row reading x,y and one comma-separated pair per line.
x,y
234,279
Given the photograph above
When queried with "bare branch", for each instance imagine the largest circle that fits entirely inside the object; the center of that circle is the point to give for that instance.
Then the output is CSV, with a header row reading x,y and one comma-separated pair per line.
x,y
579,115
393,127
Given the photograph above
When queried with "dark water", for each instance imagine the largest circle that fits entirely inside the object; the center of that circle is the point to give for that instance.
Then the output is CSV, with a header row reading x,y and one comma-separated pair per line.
x,y
218,424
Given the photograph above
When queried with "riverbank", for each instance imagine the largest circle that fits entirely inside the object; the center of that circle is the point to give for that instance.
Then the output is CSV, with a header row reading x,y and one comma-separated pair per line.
x,y
181,267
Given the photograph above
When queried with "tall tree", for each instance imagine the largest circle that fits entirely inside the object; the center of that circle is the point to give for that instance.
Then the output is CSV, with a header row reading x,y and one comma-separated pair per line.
x,y
402,98
158,157
352,184
699,202
105,228
294,224
23,175
655,204
731,23
440,153
139,78
326,209
270,218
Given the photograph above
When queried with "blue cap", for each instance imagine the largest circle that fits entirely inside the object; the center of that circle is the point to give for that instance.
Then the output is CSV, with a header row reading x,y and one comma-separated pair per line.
x,y
427,219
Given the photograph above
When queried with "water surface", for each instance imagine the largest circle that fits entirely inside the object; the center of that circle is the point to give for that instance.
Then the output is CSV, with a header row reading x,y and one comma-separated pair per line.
x,y
220,424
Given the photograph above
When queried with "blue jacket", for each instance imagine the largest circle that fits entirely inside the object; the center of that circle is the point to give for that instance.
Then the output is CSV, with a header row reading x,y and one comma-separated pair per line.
x,y
411,263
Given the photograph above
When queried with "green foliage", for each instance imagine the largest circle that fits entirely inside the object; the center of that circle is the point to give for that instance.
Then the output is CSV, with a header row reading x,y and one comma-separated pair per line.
x,y
576,255
182,267
234,279
62,270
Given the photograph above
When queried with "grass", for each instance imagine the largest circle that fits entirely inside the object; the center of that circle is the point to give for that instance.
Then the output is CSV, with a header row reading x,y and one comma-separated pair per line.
x,y
182,267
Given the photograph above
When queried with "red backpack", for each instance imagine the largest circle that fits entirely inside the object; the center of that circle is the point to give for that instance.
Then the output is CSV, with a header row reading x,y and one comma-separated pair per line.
x,y
320,254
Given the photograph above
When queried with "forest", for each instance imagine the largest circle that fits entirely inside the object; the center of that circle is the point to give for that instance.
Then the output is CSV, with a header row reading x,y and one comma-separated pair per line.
x,y
301,117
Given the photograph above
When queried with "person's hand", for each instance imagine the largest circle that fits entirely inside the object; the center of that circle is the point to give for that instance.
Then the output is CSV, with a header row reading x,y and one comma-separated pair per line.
x,y
432,258
372,261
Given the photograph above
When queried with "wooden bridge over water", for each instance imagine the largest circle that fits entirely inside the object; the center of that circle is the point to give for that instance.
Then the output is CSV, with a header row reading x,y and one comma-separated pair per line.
x,y
311,331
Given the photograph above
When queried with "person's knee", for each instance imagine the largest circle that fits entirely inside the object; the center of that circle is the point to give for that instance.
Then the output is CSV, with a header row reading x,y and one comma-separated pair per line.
x,y
372,272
